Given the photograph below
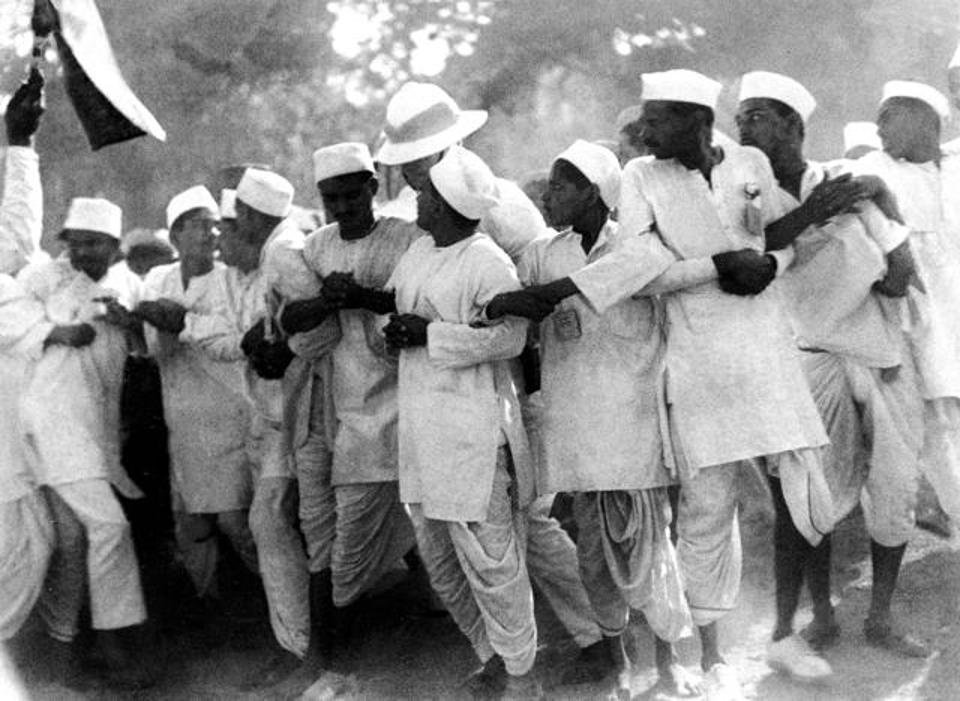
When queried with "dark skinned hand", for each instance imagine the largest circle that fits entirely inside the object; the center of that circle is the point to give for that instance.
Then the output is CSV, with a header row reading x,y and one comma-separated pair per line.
x,y
118,315
832,197
71,336
307,314
745,272
527,304
22,118
406,331
163,314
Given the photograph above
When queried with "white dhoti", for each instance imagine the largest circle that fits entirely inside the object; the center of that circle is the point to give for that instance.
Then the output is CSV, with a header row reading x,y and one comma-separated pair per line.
x,y
373,532
281,557
555,571
318,504
116,597
940,457
627,560
26,541
875,427
479,568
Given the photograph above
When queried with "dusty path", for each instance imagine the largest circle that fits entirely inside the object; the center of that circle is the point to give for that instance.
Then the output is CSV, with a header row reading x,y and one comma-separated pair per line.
x,y
403,656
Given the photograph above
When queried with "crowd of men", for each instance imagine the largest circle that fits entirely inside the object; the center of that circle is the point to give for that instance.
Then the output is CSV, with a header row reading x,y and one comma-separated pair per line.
x,y
416,383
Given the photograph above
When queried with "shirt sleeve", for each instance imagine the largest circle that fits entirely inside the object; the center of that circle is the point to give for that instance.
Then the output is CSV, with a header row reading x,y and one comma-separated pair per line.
x,y
682,274
289,275
21,209
623,272
23,323
452,345
887,234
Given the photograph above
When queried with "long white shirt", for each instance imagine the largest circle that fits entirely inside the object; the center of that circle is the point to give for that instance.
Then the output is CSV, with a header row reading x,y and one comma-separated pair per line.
x,y
364,383
602,392
735,387
829,285
207,411
929,201
22,331
21,210
456,397
71,409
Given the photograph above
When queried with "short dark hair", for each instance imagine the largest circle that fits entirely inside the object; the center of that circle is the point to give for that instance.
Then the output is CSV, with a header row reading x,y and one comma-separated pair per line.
x,y
571,173
692,109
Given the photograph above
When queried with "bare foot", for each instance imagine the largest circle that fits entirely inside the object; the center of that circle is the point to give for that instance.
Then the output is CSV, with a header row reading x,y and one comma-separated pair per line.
x,y
677,680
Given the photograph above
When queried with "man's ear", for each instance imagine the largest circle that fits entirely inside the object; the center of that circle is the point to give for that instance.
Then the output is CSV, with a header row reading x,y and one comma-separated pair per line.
x,y
594,195
374,186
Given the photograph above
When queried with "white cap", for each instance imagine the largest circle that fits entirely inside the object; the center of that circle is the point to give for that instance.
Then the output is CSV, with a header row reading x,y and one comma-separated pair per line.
x,y
918,91
860,134
94,214
154,238
228,204
197,197
266,192
422,119
341,159
955,61
465,182
774,86
599,165
681,85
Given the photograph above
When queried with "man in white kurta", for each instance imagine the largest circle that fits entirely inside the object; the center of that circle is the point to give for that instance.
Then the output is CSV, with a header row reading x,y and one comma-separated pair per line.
x,y
459,421
26,532
205,408
422,122
735,389
848,265
925,183
261,208
603,414
352,259
77,383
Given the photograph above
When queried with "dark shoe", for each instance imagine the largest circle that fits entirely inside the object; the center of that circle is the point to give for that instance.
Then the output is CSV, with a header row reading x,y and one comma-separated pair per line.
x,y
488,682
935,521
881,635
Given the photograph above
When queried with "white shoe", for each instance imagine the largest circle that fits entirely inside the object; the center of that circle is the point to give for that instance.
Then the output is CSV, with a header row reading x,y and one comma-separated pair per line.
x,y
720,683
794,656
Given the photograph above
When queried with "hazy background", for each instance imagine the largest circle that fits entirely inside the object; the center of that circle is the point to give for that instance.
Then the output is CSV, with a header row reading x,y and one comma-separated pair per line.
x,y
270,80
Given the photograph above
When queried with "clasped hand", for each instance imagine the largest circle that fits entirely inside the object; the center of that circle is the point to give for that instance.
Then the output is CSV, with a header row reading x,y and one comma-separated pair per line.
x,y
745,272
406,331
163,314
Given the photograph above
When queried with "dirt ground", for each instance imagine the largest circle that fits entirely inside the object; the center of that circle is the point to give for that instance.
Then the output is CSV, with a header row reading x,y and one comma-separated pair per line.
x,y
402,654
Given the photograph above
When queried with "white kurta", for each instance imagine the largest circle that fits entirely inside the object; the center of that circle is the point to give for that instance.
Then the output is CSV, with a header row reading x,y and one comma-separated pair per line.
x,y
21,210
930,205
456,397
602,391
364,383
829,285
23,327
206,410
734,382
71,409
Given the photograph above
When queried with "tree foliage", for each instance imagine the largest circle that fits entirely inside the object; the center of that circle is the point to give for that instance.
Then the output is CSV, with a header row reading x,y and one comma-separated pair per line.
x,y
270,80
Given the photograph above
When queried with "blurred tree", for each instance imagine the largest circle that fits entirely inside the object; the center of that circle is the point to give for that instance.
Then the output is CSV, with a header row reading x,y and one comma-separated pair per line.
x,y
265,80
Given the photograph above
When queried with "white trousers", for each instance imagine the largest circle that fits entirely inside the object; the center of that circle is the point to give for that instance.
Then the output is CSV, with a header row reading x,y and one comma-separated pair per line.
x,y
116,597
199,545
26,541
282,561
